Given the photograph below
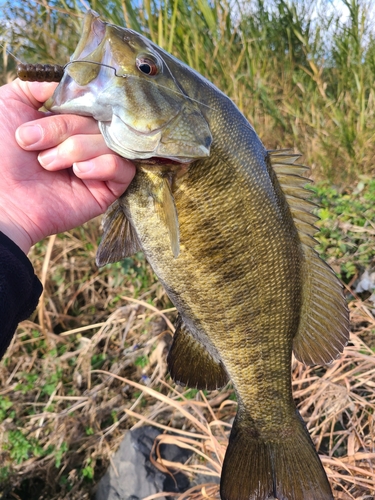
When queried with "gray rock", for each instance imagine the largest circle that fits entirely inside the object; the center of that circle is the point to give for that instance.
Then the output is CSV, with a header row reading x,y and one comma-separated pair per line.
x,y
137,477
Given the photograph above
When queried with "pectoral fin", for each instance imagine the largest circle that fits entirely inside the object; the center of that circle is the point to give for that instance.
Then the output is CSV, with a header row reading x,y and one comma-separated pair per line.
x,y
166,208
119,239
190,364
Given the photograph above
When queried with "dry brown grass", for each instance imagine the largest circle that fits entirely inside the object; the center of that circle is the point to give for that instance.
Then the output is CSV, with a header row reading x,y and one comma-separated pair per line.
x,y
91,364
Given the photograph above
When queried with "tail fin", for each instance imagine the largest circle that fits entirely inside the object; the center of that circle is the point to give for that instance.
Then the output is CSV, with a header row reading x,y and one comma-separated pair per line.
x,y
287,468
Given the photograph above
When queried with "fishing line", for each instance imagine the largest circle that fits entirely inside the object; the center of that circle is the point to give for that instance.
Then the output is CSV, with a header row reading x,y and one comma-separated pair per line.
x,y
9,52
54,72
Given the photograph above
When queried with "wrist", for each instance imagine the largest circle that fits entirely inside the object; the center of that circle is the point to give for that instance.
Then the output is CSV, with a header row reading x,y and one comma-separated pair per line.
x,y
18,235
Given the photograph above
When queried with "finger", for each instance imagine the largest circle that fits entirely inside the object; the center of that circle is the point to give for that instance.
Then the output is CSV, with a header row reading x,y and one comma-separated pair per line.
x,y
35,92
75,149
117,172
41,91
52,130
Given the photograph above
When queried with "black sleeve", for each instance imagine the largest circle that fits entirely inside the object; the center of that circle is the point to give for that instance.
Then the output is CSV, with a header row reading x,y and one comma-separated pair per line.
x,y
20,289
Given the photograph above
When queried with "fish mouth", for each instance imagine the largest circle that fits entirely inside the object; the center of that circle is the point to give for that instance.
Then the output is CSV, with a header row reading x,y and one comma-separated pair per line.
x,y
93,33
88,72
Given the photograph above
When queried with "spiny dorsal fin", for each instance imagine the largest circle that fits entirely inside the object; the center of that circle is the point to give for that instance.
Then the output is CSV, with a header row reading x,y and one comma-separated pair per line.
x,y
286,156
289,169
324,326
291,177
119,238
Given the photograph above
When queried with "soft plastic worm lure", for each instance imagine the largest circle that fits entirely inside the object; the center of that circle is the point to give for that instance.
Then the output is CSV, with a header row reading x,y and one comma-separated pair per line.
x,y
40,72
49,72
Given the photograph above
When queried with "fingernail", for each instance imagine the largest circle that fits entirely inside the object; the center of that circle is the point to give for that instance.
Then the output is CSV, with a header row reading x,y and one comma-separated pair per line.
x,y
27,135
47,157
83,167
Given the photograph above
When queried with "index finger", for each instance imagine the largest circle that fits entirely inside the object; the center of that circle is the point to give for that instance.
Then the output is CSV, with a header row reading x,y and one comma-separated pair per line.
x,y
52,130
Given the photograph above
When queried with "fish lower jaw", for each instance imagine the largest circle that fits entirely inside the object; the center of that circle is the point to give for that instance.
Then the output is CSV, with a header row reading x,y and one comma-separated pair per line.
x,y
133,144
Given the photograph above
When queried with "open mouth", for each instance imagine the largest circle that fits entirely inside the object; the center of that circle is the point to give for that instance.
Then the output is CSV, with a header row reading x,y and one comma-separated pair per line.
x,y
92,35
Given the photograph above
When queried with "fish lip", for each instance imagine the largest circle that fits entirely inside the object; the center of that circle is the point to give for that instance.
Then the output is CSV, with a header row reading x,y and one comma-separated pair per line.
x,y
93,32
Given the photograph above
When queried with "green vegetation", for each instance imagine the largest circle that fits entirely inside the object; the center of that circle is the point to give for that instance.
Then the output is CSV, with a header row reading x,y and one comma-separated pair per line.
x,y
347,237
90,363
5,405
21,448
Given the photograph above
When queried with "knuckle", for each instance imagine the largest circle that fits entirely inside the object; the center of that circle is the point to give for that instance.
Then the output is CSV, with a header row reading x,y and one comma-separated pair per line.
x,y
112,163
106,165
61,128
68,148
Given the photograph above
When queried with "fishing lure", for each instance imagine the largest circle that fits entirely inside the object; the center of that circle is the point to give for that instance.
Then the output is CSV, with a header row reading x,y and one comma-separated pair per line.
x,y
40,72
49,72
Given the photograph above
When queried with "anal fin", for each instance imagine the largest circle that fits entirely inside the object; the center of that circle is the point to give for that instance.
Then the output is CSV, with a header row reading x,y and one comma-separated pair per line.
x,y
119,238
190,363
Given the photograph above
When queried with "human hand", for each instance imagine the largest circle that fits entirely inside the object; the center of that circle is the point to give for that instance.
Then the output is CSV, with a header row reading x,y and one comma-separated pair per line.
x,y
40,194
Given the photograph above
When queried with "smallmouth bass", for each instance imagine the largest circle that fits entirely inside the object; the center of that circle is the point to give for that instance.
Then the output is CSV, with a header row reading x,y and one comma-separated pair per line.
x,y
227,228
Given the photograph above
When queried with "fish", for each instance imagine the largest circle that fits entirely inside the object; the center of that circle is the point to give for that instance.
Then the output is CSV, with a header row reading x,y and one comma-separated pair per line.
x,y
228,228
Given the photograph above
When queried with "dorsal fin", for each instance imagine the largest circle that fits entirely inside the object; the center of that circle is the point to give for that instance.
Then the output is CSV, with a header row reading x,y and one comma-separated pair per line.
x,y
324,326
291,177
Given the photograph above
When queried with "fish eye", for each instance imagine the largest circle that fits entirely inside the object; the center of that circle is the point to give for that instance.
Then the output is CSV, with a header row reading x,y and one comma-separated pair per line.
x,y
147,66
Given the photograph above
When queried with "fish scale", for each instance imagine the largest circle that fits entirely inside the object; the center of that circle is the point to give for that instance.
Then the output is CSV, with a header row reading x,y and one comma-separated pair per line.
x,y
227,227
229,327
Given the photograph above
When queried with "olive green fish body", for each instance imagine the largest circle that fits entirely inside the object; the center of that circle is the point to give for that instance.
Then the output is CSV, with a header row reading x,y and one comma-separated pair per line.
x,y
227,227
237,286
234,266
